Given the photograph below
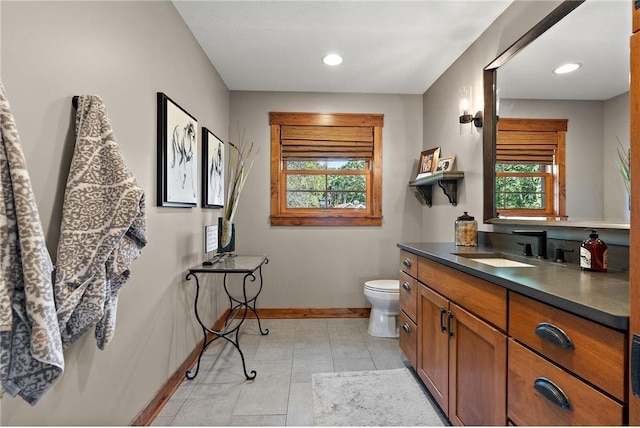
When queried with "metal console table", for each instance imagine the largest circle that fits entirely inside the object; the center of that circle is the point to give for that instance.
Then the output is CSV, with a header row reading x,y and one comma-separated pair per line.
x,y
230,264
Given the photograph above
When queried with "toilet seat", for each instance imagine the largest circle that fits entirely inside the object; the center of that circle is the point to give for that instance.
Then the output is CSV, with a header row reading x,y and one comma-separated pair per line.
x,y
383,286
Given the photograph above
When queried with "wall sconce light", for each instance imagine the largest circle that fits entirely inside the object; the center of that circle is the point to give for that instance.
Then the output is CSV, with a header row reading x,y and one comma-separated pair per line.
x,y
465,106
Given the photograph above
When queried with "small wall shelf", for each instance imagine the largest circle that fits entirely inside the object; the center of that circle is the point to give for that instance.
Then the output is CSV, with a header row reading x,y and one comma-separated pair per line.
x,y
448,181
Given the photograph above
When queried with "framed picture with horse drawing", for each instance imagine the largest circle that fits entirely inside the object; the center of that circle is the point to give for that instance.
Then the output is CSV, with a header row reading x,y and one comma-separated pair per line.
x,y
212,170
177,155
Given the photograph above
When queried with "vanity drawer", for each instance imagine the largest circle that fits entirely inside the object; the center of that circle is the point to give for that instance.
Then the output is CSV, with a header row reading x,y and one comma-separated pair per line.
x,y
409,263
590,350
482,298
408,338
529,405
409,295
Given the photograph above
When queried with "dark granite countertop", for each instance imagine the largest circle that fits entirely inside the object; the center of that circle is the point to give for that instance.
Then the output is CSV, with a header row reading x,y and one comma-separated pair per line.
x,y
598,296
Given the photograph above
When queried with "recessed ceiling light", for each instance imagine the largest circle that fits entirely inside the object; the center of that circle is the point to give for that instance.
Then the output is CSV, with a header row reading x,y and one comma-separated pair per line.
x,y
567,68
332,59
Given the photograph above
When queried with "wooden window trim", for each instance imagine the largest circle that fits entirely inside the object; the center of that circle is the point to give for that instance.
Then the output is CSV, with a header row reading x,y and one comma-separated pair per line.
x,y
280,216
549,210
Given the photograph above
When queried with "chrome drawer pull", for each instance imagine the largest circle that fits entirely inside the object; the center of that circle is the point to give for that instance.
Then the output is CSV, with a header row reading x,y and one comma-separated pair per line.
x,y
552,392
406,328
406,286
554,334
406,262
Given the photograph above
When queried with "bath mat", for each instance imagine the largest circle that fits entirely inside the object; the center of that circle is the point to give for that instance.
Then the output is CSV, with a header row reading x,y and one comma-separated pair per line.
x,y
372,398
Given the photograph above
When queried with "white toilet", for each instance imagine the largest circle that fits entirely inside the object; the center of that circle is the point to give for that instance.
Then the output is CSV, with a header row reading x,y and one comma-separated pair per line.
x,y
383,294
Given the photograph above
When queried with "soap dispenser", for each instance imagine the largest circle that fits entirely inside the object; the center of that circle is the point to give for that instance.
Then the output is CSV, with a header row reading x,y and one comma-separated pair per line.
x,y
593,253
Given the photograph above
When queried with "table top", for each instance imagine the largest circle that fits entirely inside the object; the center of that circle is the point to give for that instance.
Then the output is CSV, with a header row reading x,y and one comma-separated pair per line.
x,y
230,263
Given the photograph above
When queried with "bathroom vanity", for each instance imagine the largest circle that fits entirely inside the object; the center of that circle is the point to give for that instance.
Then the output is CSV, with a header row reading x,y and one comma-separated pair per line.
x,y
500,338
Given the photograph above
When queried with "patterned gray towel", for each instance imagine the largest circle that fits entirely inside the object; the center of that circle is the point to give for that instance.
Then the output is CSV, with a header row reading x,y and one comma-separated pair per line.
x,y
103,228
31,358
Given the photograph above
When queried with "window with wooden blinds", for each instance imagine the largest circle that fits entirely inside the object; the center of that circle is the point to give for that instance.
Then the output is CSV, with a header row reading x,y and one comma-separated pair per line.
x,y
530,167
326,169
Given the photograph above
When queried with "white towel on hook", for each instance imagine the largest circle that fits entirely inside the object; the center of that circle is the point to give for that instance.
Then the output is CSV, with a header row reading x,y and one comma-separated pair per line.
x,y
103,228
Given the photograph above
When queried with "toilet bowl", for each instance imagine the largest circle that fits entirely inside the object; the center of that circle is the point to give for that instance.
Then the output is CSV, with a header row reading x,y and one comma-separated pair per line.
x,y
383,294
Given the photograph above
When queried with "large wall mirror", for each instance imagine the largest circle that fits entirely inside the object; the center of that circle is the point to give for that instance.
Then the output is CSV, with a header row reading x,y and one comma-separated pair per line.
x,y
520,83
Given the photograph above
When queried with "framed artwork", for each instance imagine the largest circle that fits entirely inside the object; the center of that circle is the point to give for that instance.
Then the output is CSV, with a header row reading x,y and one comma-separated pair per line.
x,y
212,170
210,238
177,155
427,162
446,164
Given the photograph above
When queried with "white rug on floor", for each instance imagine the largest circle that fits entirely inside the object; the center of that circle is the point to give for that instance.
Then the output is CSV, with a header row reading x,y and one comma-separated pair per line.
x,y
371,398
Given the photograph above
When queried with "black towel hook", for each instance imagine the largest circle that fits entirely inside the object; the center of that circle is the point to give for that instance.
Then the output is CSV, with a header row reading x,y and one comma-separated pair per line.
x,y
74,101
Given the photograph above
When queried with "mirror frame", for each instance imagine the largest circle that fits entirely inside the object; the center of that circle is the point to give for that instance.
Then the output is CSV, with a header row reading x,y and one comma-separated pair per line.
x,y
489,78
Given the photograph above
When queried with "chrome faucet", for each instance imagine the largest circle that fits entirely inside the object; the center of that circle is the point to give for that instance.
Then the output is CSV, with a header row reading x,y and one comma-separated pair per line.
x,y
542,240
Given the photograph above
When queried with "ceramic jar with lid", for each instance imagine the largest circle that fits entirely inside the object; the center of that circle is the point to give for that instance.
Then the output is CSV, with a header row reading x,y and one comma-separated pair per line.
x,y
466,230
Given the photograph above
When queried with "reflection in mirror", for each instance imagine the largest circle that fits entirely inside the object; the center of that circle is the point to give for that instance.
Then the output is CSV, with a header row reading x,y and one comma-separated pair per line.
x,y
594,99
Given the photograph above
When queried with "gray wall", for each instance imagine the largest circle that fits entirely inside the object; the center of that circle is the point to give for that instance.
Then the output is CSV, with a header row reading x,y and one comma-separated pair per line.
x,y
125,52
441,127
326,266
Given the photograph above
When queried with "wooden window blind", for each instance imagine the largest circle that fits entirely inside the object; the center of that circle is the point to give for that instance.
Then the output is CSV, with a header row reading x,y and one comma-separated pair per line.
x,y
530,141
326,142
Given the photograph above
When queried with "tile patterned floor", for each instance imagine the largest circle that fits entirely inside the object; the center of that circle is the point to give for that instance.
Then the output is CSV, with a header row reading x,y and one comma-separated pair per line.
x,y
284,359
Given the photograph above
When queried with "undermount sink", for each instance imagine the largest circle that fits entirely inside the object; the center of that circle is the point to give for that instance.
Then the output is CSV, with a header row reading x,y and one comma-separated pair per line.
x,y
500,262
493,259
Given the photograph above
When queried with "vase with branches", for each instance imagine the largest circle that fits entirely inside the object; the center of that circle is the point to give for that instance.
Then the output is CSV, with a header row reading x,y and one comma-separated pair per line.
x,y
623,166
241,158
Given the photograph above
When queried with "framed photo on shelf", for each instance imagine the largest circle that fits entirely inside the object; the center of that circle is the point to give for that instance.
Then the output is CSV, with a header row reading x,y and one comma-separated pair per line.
x,y
446,163
427,162
177,179
212,170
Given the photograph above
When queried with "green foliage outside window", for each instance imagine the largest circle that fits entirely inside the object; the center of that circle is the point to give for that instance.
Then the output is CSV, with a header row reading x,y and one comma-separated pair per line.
x,y
341,191
517,189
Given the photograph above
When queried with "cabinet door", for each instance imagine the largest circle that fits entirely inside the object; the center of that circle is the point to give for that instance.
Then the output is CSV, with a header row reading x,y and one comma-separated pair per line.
x,y
477,371
433,345
634,234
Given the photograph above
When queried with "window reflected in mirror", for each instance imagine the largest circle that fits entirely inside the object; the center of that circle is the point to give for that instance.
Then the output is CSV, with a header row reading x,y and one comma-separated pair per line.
x,y
529,168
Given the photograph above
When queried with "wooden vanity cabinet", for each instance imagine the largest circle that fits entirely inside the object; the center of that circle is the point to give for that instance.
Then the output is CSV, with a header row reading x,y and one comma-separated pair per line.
x,y
545,366
591,351
461,357
408,301
563,369
541,393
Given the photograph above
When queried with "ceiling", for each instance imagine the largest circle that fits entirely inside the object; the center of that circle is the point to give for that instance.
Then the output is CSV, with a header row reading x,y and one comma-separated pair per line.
x,y
596,34
398,47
